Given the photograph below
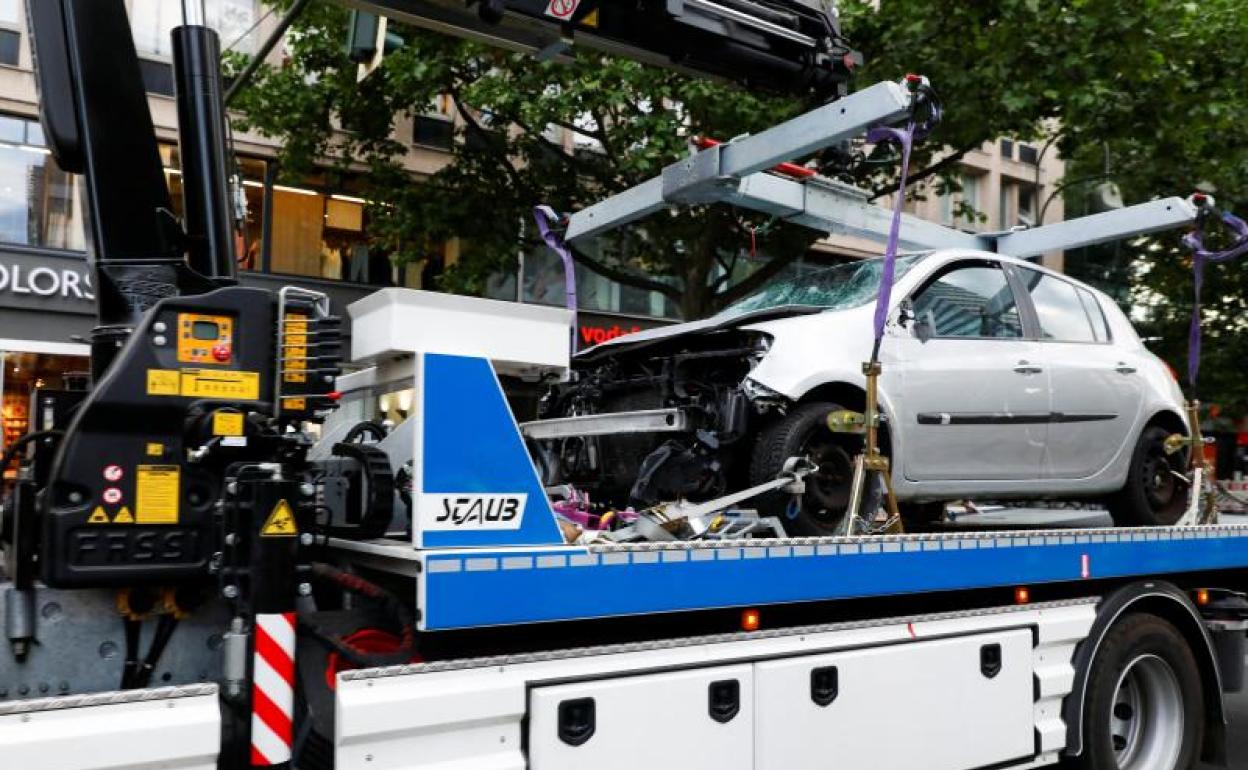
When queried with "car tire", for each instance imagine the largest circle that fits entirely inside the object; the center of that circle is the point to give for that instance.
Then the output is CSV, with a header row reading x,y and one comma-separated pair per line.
x,y
1151,496
1143,684
804,432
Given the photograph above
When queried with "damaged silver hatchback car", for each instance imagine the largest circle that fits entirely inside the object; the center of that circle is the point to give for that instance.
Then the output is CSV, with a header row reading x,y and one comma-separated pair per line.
x,y
1001,379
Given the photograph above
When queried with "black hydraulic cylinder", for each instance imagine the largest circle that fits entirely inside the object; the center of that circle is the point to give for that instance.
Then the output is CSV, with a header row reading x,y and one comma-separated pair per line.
x,y
208,216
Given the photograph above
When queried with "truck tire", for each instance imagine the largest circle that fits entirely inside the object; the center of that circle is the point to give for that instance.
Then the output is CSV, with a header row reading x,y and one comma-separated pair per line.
x,y
804,432
1152,495
1145,708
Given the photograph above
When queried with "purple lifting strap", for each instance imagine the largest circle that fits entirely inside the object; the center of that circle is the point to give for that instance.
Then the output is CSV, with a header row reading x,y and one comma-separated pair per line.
x,y
1195,241
546,219
906,137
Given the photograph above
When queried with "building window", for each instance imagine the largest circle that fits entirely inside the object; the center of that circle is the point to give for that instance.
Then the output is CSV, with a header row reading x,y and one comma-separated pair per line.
x,y
10,32
435,132
151,22
253,172
157,77
39,205
1007,149
1026,205
1028,154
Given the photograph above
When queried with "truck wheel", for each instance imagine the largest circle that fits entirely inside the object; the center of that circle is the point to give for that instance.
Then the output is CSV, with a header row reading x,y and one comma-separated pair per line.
x,y
1145,708
804,432
1153,495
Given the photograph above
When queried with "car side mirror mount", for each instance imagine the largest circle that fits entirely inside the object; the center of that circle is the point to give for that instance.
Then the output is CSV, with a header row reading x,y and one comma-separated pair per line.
x,y
905,313
924,329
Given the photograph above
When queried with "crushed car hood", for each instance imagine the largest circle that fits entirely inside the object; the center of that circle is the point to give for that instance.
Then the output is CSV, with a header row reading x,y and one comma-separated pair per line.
x,y
642,339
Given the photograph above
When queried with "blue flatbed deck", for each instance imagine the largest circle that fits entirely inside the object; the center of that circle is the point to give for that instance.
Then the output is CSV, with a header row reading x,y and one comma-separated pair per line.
x,y
467,588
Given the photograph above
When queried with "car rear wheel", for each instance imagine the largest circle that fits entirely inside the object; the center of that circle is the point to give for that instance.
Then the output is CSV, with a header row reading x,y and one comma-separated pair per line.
x,y
1155,493
804,432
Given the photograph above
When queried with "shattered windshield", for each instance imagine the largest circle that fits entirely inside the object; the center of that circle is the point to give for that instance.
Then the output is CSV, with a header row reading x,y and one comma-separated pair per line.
x,y
835,288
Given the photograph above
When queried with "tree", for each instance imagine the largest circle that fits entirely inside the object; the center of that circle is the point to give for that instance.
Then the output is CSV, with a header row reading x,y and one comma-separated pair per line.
x,y
628,121
1150,83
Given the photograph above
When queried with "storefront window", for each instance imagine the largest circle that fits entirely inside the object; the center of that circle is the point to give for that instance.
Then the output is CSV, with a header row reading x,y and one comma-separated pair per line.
x,y
544,284
253,171
39,204
20,375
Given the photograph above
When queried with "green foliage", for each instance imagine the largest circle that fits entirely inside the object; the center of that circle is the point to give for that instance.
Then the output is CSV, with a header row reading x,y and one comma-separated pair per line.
x,y
1152,85
628,121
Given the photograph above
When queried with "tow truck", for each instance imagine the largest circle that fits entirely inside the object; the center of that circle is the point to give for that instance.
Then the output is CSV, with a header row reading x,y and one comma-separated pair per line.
x,y
192,579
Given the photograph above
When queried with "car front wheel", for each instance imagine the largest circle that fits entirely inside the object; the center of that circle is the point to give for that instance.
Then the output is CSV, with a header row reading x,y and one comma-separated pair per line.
x,y
804,432
1155,493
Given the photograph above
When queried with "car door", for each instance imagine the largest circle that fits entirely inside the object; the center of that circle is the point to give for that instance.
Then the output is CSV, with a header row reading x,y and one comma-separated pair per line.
x,y
1097,391
974,397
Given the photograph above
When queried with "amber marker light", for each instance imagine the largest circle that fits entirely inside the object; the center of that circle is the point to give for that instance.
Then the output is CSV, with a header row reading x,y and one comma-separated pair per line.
x,y
750,620
1022,595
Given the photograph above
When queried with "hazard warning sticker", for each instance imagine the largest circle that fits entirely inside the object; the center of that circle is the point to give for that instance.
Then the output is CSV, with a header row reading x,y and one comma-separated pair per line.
x,y
281,522
158,491
562,9
98,516
124,516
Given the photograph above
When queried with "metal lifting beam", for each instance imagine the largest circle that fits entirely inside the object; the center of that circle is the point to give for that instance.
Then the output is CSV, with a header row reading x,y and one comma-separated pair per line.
x,y
735,173
710,174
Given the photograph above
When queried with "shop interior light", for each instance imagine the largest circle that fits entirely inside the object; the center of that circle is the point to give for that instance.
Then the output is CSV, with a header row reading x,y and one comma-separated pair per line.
x,y
296,190
348,199
252,183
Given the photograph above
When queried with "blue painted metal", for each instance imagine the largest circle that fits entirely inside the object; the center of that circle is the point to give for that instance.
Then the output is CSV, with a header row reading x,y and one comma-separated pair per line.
x,y
470,444
514,586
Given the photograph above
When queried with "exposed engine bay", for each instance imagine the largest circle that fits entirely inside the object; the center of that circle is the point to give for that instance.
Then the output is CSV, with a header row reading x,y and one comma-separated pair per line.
x,y
700,380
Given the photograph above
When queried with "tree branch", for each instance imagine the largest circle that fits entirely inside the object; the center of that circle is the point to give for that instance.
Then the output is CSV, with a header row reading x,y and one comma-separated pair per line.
x,y
625,277
935,168
501,158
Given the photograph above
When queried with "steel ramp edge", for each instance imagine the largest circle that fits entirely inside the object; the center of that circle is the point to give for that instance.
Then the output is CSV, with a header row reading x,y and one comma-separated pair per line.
x,y
469,588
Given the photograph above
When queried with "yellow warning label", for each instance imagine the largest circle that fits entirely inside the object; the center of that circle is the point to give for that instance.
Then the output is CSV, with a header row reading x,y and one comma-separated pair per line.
x,y
98,516
227,423
204,383
155,449
124,516
158,491
294,348
591,19
281,522
295,404
163,382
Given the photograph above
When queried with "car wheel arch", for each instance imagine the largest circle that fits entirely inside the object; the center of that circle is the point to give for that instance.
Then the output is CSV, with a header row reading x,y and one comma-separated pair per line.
x,y
850,396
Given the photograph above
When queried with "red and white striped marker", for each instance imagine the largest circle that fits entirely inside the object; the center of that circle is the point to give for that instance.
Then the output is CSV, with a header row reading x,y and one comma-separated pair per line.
x,y
273,690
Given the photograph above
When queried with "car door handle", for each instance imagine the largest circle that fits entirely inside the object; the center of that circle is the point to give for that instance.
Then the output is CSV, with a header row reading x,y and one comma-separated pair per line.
x,y
1026,367
1124,368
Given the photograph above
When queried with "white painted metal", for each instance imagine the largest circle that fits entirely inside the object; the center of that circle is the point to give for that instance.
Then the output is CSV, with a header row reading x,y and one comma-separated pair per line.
x,y
900,707
172,728
522,340
470,714
641,421
653,721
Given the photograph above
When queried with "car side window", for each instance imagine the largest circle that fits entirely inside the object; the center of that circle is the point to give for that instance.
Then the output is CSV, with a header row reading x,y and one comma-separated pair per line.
x,y
1058,307
972,301
1100,325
